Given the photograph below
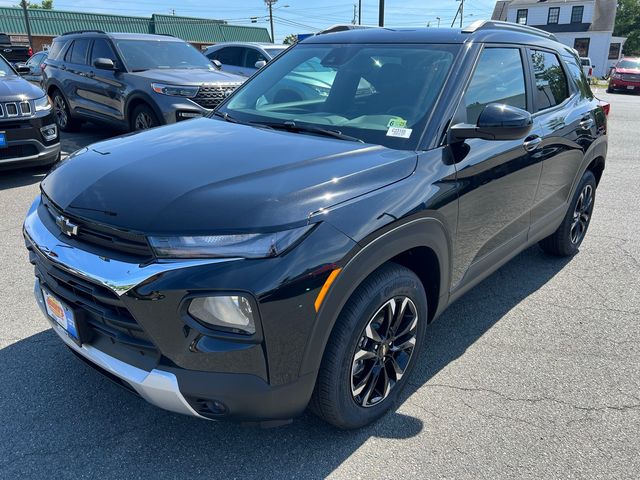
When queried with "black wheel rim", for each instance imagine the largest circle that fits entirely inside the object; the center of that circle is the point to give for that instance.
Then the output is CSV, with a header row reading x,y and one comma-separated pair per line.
x,y
60,111
144,121
582,215
384,351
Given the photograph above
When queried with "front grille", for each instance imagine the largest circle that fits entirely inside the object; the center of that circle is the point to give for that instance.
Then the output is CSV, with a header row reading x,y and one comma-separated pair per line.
x,y
102,235
17,151
102,310
212,96
15,109
631,77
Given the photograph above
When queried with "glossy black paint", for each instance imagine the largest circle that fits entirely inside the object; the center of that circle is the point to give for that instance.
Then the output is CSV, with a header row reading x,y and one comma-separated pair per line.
x,y
454,211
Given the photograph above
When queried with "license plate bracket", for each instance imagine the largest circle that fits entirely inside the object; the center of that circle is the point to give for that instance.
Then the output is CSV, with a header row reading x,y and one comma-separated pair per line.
x,y
68,319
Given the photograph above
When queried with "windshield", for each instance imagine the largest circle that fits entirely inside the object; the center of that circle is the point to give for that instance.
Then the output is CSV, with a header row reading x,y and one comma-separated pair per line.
x,y
5,69
380,94
631,64
139,55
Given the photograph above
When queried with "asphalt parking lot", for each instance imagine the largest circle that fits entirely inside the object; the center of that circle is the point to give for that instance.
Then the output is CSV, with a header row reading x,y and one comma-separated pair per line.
x,y
533,374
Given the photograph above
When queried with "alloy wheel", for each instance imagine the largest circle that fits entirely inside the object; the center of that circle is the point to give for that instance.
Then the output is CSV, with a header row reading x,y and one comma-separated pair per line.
x,y
60,111
384,351
582,214
143,121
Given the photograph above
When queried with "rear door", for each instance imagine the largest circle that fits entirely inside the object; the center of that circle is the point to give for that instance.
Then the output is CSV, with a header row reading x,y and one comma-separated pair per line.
x,y
77,69
497,179
565,120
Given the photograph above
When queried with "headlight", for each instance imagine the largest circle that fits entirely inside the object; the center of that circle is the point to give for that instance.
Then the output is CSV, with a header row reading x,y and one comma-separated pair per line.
x,y
175,90
250,245
229,312
617,76
42,104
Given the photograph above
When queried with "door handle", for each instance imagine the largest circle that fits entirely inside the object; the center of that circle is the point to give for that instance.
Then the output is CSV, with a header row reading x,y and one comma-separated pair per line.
x,y
531,143
586,123
91,74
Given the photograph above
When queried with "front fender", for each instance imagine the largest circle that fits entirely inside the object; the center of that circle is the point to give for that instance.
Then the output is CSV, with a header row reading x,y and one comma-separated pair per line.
x,y
418,232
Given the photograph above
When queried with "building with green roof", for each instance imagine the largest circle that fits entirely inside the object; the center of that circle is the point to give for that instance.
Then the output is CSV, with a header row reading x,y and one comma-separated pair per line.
x,y
47,24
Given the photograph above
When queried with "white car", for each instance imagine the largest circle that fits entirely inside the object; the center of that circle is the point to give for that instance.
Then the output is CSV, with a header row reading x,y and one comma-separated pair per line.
x,y
587,68
243,58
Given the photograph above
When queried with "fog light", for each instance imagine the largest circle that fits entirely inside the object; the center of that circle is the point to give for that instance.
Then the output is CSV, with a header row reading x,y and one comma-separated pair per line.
x,y
227,312
50,132
189,114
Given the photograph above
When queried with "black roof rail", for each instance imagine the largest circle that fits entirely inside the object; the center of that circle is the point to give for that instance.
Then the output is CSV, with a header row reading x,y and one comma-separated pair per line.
x,y
343,28
83,31
515,27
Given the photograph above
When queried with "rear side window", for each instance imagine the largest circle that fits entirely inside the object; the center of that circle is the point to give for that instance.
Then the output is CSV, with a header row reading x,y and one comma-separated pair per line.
x,y
498,78
102,49
551,82
79,52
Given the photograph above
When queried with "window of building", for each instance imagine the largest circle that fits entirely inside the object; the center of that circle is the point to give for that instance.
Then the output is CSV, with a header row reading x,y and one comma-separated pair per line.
x,y
576,14
551,82
554,15
614,51
498,78
582,46
521,16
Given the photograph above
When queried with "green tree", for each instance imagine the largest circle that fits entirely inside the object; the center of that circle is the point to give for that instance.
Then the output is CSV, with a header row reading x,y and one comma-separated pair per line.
x,y
628,25
45,5
290,39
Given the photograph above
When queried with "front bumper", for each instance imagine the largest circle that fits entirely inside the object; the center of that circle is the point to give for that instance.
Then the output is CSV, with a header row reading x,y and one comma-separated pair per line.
x,y
620,84
185,370
26,145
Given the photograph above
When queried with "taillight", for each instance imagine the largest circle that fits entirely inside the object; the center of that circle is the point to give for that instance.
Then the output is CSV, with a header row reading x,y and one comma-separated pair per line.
x,y
606,106
30,51
590,71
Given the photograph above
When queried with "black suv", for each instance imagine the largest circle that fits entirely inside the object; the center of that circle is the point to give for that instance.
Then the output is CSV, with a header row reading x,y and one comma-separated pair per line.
x,y
296,252
28,131
131,81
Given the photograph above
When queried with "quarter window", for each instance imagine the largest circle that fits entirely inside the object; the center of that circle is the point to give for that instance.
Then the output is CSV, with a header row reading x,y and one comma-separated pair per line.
x,y
498,78
576,14
551,81
554,15
521,16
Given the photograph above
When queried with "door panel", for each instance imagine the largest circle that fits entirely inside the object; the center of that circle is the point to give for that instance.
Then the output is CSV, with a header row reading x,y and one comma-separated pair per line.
x,y
104,90
497,179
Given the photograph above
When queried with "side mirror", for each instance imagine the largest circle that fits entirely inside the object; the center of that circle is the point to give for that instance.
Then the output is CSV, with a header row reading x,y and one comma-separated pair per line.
x,y
260,63
22,68
496,122
104,64
217,64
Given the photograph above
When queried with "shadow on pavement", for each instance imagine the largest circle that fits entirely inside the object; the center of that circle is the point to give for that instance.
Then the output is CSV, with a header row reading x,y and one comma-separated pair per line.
x,y
60,418
22,177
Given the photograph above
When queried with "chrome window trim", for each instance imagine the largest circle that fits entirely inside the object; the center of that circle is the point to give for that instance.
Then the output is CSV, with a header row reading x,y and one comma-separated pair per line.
x,y
117,276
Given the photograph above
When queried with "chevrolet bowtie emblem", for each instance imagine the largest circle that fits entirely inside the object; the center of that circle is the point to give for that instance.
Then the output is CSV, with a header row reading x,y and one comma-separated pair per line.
x,y
68,228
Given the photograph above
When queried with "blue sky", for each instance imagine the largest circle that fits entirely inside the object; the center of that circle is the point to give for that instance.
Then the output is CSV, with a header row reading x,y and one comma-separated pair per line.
x,y
300,16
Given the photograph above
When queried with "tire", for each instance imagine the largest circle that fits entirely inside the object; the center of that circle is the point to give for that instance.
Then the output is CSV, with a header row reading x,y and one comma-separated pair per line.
x,y
62,115
610,90
342,396
142,118
566,240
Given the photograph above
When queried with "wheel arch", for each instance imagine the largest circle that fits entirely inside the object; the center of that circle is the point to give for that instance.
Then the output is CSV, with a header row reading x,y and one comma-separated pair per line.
x,y
410,244
140,98
597,167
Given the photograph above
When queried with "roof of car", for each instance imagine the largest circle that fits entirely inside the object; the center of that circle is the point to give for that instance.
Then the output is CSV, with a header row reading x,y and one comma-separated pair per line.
x,y
123,36
482,31
248,44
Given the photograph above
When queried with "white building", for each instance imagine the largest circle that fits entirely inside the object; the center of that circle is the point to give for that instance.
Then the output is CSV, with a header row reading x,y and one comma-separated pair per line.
x,y
586,25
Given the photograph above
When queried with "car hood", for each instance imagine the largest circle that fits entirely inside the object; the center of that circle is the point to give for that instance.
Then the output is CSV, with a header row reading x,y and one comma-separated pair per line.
x,y
189,76
207,175
14,88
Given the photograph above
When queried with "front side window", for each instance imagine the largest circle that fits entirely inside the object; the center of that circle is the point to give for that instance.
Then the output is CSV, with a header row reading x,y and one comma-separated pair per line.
x,y
252,57
140,55
576,14
102,49
498,78
521,16
551,82
380,94
554,15
582,46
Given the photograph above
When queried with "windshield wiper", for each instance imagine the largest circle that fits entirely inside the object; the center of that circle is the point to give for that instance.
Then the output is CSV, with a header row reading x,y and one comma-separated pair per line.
x,y
294,127
228,118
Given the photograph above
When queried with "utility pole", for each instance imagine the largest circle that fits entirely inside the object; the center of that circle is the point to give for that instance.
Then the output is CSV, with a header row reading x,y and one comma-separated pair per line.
x,y
381,14
26,21
438,18
359,12
355,14
270,5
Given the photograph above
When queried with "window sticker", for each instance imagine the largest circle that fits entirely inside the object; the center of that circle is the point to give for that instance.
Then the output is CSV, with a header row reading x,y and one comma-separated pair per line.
x,y
399,132
397,122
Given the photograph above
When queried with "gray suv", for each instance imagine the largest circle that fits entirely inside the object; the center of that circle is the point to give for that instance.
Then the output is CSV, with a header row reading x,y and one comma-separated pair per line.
x,y
131,81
